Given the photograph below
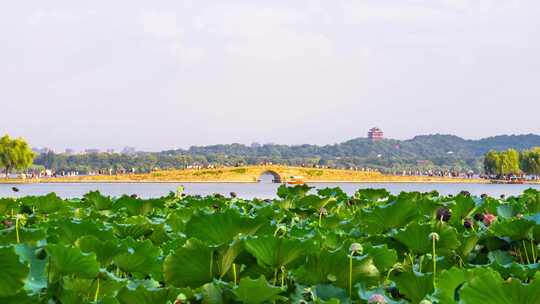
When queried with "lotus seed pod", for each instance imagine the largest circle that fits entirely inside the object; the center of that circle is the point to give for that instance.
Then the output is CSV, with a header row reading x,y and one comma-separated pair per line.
x,y
356,248
434,236
323,211
444,214
377,299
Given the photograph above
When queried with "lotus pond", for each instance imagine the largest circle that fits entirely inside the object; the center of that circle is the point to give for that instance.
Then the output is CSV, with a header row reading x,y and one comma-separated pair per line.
x,y
305,246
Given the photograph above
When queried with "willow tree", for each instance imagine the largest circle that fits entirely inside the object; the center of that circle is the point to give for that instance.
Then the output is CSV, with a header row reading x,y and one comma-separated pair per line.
x,y
530,161
502,163
15,154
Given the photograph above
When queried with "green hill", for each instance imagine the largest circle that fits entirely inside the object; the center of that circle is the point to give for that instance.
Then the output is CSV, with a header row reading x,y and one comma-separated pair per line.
x,y
447,152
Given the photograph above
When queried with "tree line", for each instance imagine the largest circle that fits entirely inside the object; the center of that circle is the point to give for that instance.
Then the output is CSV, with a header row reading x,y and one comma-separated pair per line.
x,y
15,154
512,162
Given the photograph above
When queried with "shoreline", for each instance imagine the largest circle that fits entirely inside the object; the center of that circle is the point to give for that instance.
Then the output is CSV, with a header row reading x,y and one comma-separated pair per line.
x,y
151,181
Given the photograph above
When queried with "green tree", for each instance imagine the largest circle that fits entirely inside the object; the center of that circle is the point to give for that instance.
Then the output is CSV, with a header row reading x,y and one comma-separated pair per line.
x,y
510,162
15,154
530,161
492,162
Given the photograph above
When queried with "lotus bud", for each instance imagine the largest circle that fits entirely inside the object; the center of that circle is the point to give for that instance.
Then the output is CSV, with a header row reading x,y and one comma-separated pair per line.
x,y
424,301
488,219
434,236
356,248
377,299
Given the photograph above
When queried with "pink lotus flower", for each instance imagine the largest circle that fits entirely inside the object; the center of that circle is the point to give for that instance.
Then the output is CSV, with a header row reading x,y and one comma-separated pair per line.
x,y
376,299
489,218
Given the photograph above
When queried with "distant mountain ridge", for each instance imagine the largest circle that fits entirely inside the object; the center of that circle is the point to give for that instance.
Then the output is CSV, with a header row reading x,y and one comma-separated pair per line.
x,y
423,152
441,150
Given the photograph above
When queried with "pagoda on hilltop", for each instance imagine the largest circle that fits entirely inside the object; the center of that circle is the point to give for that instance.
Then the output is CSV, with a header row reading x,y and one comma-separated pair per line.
x,y
375,134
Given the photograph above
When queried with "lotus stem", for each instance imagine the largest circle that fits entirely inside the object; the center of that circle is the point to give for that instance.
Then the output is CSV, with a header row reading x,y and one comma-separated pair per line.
x,y
282,276
275,277
234,272
17,229
434,264
434,238
320,219
526,253
211,263
350,275
97,291
420,262
533,251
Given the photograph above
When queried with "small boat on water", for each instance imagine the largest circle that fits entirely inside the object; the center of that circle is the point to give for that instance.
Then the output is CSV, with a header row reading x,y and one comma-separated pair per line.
x,y
296,180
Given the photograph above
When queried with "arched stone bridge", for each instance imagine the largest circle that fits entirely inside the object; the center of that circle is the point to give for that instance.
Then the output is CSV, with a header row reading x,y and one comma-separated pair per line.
x,y
280,174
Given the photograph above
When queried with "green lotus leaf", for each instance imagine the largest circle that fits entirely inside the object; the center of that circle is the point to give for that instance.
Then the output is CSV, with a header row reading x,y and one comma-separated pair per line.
x,y
105,250
190,265
395,214
416,237
450,281
413,285
13,272
461,208
295,192
336,192
136,206
489,287
506,211
517,229
26,235
221,228
257,291
142,295
228,255
314,202
273,252
141,257
20,298
332,267
7,204
87,288
69,231
99,201
371,195
159,234
49,203
134,227
35,257
66,260
383,258
212,294
530,200
327,292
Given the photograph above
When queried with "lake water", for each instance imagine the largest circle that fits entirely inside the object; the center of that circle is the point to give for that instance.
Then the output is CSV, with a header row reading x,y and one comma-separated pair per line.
x,y
259,190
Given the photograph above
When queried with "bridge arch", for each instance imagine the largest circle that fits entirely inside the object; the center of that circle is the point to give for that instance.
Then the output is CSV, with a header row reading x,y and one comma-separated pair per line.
x,y
276,177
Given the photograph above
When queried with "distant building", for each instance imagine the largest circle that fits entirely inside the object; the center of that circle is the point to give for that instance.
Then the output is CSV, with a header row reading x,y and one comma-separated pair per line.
x,y
375,134
91,151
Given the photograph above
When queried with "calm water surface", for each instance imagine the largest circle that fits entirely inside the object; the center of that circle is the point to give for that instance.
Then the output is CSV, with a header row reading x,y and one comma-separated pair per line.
x,y
259,190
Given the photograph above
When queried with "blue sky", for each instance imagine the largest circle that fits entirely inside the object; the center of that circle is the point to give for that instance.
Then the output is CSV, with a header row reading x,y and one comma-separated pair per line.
x,y
167,74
